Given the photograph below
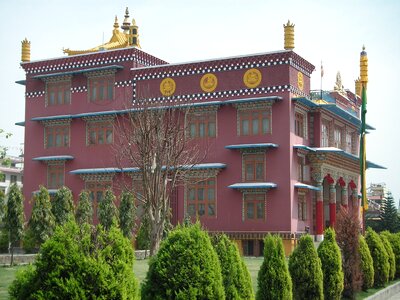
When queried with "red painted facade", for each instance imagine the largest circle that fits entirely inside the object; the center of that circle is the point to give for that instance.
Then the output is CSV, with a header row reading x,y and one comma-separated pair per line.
x,y
298,156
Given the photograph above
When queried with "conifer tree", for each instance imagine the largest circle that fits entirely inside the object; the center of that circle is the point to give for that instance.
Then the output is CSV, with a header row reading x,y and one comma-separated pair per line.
x,y
379,257
42,221
366,266
273,279
389,217
127,214
14,217
62,206
84,209
108,212
2,206
305,270
237,283
331,260
388,247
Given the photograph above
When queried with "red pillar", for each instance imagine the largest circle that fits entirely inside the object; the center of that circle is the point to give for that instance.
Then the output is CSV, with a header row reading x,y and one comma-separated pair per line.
x,y
332,205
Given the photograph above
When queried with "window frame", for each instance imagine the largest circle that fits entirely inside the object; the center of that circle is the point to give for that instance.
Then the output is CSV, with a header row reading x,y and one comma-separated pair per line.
x,y
337,136
100,87
56,87
300,123
205,118
53,132
253,200
302,207
99,186
99,128
205,185
254,116
59,172
254,160
325,133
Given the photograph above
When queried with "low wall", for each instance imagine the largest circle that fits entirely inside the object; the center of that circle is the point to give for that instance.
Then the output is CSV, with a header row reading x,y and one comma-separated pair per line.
x,y
386,293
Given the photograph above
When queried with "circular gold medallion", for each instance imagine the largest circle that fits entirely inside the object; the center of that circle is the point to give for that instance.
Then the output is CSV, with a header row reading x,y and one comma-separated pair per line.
x,y
252,78
167,87
300,81
208,82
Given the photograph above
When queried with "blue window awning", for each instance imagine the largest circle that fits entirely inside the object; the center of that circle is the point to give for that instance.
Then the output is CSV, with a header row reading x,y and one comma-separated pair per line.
x,y
253,185
252,146
300,185
95,171
52,158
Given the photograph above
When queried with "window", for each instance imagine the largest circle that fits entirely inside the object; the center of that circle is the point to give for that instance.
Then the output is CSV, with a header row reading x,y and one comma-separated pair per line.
x,y
254,122
57,136
201,198
13,179
301,162
324,134
299,124
55,176
58,93
99,133
349,144
96,193
202,125
101,89
254,166
302,207
248,248
254,206
338,137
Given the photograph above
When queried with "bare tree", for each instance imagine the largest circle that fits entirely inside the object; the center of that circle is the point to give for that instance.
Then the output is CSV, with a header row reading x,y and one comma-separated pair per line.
x,y
154,142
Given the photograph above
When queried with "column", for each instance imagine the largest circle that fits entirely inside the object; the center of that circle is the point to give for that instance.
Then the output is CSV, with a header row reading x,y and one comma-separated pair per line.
x,y
332,204
319,213
356,205
345,198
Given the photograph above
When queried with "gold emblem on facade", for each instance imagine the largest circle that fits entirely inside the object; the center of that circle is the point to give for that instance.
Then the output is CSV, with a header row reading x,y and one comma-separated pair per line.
x,y
252,78
208,82
167,87
300,81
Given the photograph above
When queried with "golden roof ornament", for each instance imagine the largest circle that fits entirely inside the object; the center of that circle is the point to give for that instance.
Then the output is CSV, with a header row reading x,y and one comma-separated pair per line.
x,y
289,35
126,23
364,67
338,84
25,50
358,86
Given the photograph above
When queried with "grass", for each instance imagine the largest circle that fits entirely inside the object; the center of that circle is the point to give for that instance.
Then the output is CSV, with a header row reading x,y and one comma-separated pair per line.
x,y
7,275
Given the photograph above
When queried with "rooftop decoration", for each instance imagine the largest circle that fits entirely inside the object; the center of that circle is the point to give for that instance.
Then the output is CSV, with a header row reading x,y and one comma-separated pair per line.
x,y
128,38
289,35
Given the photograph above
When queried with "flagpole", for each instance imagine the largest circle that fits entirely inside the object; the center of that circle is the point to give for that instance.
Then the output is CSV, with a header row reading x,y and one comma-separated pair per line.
x,y
322,75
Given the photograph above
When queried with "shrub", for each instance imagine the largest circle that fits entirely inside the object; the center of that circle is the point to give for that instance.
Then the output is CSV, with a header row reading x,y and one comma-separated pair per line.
x,y
80,263
143,236
367,265
42,221
273,279
331,261
305,270
237,284
185,267
28,241
127,214
388,247
347,232
394,239
62,206
84,209
108,213
3,241
379,256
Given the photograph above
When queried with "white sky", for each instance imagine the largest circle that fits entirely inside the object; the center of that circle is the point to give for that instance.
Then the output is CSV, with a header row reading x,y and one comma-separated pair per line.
x,y
183,30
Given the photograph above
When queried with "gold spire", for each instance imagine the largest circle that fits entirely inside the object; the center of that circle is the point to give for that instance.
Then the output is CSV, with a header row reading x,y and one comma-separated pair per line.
x,y
134,35
289,35
363,67
358,86
26,50
126,23
116,25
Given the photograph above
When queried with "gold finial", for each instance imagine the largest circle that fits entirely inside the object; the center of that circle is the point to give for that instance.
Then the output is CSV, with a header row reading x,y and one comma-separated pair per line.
x,y
358,86
289,35
126,23
363,67
26,51
116,25
134,34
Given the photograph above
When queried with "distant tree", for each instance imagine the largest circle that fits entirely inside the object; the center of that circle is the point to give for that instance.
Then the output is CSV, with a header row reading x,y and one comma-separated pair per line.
x,y
366,266
143,236
14,217
388,247
84,209
62,206
347,232
127,216
273,279
237,284
2,206
108,213
331,260
379,257
185,267
389,218
305,270
42,222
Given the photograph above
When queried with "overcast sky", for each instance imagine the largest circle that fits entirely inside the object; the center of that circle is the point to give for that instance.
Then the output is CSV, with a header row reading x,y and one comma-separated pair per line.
x,y
179,31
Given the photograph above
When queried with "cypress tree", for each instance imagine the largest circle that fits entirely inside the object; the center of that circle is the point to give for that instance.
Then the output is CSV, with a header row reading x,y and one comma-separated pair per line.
x,y
62,206
380,258
107,210
127,214
84,209
366,266
389,218
388,247
42,222
394,239
305,270
331,260
273,279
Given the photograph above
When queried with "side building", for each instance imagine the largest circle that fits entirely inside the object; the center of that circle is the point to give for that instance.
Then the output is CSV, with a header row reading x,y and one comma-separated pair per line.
x,y
281,158
11,171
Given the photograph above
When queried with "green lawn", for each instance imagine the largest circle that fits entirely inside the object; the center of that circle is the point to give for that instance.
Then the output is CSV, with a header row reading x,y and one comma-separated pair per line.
x,y
7,275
